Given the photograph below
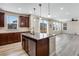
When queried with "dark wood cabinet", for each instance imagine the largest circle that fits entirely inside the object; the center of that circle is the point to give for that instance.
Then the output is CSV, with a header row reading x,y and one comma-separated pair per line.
x,y
31,47
35,47
3,39
43,47
1,19
25,44
10,37
13,37
24,21
7,38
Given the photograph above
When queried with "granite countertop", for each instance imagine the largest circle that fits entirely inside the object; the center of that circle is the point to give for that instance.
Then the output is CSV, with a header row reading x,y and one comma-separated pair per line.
x,y
38,36
13,31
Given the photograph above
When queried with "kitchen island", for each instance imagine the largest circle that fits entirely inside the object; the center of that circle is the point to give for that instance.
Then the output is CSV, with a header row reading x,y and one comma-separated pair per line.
x,y
38,44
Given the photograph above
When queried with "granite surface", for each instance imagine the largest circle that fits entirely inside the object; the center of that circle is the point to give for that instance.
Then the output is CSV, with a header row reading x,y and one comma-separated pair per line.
x,y
38,36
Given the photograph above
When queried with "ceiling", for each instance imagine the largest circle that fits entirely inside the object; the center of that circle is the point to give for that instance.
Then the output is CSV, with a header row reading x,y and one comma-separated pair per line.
x,y
58,11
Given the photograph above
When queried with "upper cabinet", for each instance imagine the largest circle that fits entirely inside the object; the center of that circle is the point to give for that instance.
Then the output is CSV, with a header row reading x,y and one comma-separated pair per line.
x,y
24,21
1,19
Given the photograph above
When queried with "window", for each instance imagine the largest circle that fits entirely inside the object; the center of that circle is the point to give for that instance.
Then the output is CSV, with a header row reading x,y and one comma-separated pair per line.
x,y
43,26
56,26
65,26
12,22
59,26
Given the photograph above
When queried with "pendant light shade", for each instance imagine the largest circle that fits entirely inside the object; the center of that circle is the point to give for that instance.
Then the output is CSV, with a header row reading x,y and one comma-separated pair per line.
x,y
40,10
34,10
49,10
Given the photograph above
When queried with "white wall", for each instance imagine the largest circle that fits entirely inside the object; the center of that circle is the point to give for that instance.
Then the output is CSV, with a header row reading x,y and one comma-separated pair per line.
x,y
72,27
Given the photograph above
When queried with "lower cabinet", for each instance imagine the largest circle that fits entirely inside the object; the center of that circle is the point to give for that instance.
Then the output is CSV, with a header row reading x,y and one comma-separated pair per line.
x,y
31,48
25,44
13,37
35,48
28,46
7,38
3,39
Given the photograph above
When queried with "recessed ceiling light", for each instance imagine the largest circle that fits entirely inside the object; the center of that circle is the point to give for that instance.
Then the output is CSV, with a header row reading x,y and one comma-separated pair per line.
x,y
40,18
49,15
61,8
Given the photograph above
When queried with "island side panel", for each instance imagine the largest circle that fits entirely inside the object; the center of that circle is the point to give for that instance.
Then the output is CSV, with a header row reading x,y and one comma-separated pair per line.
x,y
25,44
42,47
52,46
31,47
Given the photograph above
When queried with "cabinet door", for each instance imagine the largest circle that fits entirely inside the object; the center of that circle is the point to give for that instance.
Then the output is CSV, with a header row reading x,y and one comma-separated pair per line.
x,y
13,37
27,21
24,21
3,39
18,37
6,38
43,47
31,47
25,44
1,19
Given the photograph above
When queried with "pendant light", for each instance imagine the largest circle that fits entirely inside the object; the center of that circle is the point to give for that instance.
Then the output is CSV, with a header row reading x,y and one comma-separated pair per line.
x,y
40,9
49,10
34,12
42,20
33,21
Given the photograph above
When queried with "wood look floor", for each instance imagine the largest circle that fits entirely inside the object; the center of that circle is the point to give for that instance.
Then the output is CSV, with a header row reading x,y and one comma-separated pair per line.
x,y
14,49
66,45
